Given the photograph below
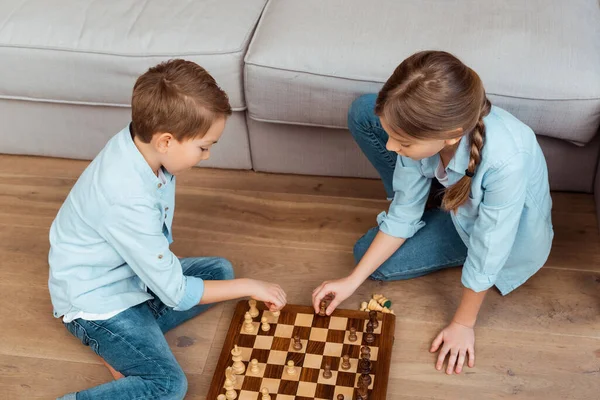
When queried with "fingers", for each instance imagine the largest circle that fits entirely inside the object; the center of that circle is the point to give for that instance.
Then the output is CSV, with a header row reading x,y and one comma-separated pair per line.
x,y
435,345
323,291
461,360
333,305
471,352
452,361
441,357
279,298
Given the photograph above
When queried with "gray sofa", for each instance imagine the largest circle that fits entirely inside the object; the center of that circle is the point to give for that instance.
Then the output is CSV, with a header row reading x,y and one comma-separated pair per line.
x,y
292,68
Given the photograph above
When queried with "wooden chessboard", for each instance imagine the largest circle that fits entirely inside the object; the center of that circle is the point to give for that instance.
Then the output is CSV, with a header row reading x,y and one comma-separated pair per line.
x,y
324,340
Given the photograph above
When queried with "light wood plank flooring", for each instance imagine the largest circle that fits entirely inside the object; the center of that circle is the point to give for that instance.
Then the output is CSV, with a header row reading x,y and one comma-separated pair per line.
x,y
540,342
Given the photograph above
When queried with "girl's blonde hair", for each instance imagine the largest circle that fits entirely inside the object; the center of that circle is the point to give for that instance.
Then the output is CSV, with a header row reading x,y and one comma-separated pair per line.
x,y
433,95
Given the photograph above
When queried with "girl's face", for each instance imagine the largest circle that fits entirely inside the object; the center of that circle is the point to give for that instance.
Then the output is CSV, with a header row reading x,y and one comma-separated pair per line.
x,y
415,149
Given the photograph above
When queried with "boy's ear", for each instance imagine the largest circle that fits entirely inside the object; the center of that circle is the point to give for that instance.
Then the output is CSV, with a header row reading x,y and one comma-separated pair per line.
x,y
163,141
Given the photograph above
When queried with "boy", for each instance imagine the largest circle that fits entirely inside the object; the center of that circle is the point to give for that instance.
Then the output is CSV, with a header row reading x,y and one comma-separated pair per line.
x,y
113,278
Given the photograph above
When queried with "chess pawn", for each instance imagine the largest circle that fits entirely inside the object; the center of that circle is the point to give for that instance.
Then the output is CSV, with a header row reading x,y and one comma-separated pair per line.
x,y
340,397
291,370
327,372
346,362
352,336
369,337
254,368
276,313
230,393
248,327
374,306
364,306
323,308
373,319
265,324
253,310
265,394
365,380
362,393
297,343
382,300
365,352
221,397
238,366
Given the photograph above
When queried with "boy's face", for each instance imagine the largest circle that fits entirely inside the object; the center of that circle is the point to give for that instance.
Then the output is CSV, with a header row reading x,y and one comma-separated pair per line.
x,y
178,156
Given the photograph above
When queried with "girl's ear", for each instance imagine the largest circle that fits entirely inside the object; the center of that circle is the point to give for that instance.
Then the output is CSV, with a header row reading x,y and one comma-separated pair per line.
x,y
452,142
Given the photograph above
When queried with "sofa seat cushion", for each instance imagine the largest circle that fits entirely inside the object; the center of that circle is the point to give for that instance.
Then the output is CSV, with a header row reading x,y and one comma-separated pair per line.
x,y
539,59
90,52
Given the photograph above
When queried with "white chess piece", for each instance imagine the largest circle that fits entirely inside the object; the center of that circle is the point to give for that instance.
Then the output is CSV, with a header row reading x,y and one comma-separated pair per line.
x,y
248,327
265,324
254,368
229,374
238,365
276,313
291,370
265,394
221,397
253,310
230,393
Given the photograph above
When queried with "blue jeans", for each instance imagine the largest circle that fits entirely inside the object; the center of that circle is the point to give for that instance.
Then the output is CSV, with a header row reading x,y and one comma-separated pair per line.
x,y
437,245
133,343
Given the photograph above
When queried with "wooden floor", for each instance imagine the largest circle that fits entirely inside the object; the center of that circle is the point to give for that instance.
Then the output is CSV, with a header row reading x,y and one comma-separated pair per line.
x,y
540,342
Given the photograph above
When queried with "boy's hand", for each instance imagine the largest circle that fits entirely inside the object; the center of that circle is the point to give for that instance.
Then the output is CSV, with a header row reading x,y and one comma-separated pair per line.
x,y
458,341
270,293
341,289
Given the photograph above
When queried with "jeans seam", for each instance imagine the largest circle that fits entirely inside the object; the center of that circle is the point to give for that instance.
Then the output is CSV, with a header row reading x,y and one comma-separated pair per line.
x,y
448,265
139,353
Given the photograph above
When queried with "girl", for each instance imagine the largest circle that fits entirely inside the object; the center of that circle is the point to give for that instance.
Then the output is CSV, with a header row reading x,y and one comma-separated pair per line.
x,y
432,119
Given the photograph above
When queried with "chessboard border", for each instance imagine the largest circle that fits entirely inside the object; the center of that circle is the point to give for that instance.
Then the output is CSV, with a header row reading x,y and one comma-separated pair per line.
x,y
384,353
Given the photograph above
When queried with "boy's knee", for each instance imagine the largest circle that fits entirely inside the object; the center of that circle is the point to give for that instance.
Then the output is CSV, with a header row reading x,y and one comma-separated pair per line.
x,y
226,271
174,385
361,111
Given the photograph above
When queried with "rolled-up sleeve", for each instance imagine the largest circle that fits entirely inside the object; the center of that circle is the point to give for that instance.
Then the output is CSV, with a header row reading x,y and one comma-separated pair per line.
x,y
497,223
411,189
135,230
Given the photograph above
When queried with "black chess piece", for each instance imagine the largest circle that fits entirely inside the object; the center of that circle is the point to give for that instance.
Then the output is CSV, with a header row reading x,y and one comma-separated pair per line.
x,y
373,319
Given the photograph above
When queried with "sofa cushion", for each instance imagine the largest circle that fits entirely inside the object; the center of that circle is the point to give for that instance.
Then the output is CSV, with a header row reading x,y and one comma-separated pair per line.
x,y
90,52
539,59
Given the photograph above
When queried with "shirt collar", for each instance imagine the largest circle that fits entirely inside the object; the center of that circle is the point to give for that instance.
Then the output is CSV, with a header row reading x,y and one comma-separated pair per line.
x,y
460,161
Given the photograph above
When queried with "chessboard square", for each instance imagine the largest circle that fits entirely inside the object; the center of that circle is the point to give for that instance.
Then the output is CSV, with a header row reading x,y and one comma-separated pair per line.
x,y
284,331
246,353
254,331
313,361
252,383
320,322
325,391
271,384
285,376
334,336
288,387
329,381
374,353
358,341
247,395
270,332
277,357
270,317
302,350
297,358
353,350
346,379
246,341
263,342
357,323
338,323
261,355
375,342
304,320
307,389
287,317
348,392
315,347
239,382
285,397
302,331
260,373
281,344
318,335
334,362
358,377
333,349
274,372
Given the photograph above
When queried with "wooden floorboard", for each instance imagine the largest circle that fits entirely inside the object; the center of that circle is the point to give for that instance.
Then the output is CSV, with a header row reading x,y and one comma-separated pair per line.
x,y
540,342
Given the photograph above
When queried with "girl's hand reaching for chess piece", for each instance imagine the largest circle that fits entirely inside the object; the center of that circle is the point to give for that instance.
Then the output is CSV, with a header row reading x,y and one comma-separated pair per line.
x,y
269,293
339,289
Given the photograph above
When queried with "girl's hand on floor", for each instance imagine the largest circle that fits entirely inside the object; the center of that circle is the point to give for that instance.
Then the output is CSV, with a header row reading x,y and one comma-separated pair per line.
x,y
458,340
270,293
341,289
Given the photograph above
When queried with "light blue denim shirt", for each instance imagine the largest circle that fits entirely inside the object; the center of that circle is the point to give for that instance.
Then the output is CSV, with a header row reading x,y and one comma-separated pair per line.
x,y
110,240
506,222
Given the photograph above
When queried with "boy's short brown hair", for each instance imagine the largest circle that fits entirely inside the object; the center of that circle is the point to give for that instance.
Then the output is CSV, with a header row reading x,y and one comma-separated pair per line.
x,y
179,97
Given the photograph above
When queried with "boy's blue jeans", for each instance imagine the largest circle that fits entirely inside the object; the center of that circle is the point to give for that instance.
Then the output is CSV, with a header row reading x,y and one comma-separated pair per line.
x,y
133,343
437,245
